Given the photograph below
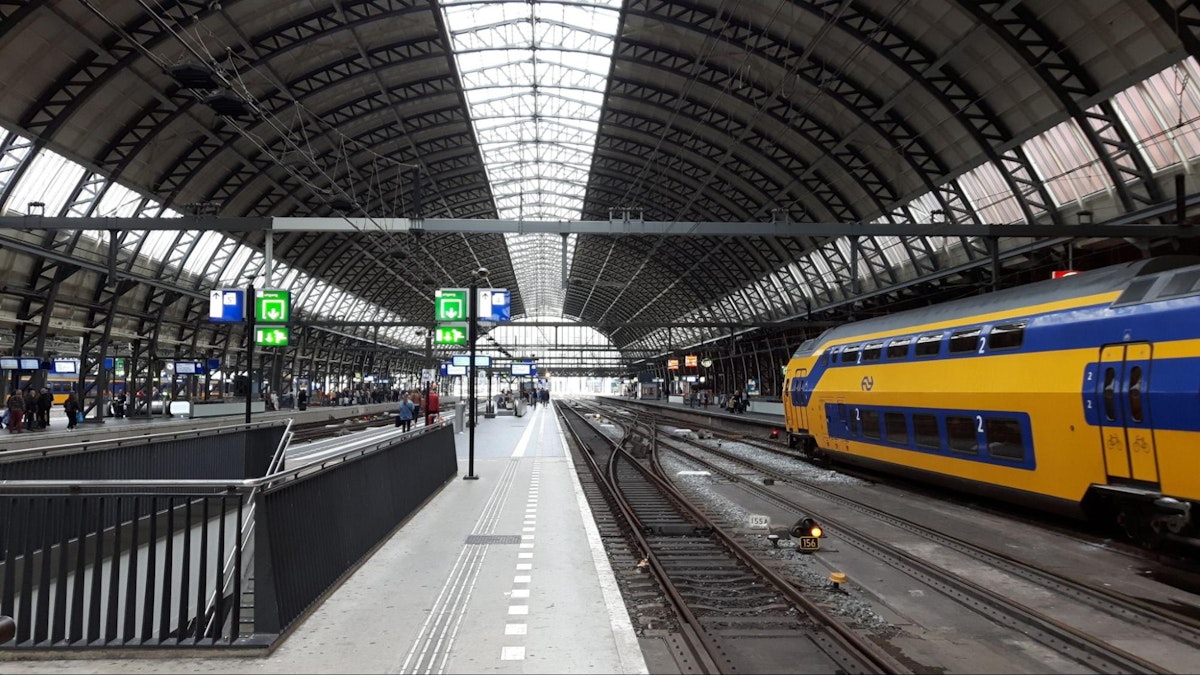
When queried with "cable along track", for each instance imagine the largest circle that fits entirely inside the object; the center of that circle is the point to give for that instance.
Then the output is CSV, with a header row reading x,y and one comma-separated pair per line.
x,y
1079,645
733,613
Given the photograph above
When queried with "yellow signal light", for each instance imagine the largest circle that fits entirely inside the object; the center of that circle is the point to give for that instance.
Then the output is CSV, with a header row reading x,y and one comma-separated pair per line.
x,y
815,531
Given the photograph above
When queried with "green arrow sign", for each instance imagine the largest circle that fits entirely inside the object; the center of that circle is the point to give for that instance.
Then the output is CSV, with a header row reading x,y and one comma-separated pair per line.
x,y
272,306
450,304
270,336
450,334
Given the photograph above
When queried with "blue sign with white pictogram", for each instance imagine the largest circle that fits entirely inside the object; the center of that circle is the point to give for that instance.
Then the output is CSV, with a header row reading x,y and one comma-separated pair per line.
x,y
227,305
494,304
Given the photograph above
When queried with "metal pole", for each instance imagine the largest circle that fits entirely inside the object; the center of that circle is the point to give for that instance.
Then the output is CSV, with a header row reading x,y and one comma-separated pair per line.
x,y
249,305
472,310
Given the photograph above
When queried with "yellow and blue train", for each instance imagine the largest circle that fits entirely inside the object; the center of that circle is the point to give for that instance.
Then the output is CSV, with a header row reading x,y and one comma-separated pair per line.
x,y
1078,395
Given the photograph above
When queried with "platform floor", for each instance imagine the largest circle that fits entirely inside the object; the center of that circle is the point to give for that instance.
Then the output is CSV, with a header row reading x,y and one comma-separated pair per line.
x,y
504,574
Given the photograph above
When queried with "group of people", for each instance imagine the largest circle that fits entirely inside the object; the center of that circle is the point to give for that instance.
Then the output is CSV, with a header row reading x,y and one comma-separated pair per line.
x,y
411,406
28,410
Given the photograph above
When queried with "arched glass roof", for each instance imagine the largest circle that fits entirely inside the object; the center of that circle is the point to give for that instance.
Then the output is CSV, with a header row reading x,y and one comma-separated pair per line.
x,y
534,76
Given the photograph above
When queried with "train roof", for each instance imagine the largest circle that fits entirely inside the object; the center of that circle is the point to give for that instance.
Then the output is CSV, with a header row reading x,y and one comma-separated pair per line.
x,y
1103,280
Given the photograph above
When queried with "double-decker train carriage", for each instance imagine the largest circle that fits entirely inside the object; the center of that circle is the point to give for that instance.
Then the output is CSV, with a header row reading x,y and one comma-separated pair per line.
x,y
1078,395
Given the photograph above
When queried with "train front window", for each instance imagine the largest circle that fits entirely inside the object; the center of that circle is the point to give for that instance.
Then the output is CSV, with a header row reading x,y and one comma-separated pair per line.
x,y
1135,393
1110,395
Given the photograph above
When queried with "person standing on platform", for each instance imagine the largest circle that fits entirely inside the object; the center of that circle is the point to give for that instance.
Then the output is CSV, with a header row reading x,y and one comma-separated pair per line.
x,y
415,397
31,409
71,407
431,406
404,416
302,399
45,403
16,412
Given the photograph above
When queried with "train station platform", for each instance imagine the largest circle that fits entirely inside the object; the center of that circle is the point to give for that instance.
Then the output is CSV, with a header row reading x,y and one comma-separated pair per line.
x,y
505,573
765,412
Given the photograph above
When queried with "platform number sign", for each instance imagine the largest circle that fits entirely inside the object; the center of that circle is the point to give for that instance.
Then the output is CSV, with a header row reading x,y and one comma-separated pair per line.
x,y
450,334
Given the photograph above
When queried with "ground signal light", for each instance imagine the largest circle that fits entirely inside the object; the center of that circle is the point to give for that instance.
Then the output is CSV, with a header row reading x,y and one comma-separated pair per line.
x,y
806,527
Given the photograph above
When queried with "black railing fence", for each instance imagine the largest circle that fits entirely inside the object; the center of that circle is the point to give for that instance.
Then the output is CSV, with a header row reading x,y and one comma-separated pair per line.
x,y
164,563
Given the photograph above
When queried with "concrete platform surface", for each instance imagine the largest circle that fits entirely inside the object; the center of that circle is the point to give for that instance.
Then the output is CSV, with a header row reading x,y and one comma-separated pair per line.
x,y
503,574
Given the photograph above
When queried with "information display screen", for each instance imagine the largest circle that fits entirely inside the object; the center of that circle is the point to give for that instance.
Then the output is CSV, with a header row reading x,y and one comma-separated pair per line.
x,y
185,368
520,369
9,363
452,369
30,364
66,367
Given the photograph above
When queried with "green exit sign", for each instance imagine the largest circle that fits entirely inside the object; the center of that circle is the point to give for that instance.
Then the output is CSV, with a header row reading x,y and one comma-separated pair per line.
x,y
272,306
270,336
450,304
450,334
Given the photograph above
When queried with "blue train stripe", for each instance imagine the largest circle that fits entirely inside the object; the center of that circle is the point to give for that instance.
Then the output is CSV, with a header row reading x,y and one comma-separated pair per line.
x,y
984,449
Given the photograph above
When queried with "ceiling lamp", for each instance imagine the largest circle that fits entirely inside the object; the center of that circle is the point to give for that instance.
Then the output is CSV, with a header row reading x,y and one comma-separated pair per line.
x,y
227,103
193,76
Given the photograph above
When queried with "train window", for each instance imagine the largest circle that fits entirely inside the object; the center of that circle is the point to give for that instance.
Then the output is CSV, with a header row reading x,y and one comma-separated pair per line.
x,y
1135,393
960,434
929,345
964,340
872,351
925,431
898,349
850,354
1135,291
1007,336
1004,439
1181,283
897,428
1110,394
870,423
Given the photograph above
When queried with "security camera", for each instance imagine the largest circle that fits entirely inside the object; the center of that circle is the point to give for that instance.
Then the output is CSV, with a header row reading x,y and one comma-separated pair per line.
x,y
481,272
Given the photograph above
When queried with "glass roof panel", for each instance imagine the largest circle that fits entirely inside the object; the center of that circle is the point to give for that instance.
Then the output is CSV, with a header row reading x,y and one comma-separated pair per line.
x,y
534,76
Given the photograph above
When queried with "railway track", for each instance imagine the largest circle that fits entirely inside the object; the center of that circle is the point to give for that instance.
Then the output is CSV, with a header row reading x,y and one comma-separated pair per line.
x,y
1080,645
729,612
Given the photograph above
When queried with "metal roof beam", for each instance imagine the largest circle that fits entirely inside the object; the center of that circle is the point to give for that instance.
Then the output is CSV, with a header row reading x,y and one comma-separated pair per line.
x,y
609,227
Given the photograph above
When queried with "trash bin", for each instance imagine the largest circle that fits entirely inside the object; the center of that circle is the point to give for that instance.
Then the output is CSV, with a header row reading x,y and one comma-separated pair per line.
x,y
519,408
460,416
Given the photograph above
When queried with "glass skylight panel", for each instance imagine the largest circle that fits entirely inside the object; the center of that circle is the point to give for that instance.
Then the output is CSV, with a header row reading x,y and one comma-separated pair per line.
x,y
534,75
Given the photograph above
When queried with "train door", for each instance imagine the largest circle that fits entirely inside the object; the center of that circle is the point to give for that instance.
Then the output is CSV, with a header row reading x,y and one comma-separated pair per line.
x,y
799,400
1124,412
839,428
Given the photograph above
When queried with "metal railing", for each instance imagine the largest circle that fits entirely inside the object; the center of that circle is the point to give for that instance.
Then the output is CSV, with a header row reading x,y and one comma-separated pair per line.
x,y
146,562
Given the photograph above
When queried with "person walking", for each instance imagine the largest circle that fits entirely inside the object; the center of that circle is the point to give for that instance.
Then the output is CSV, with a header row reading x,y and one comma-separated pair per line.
x,y
71,407
431,406
16,412
404,416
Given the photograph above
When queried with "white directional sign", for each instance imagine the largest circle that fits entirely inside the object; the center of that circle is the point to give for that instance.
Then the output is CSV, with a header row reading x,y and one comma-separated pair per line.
x,y
227,305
